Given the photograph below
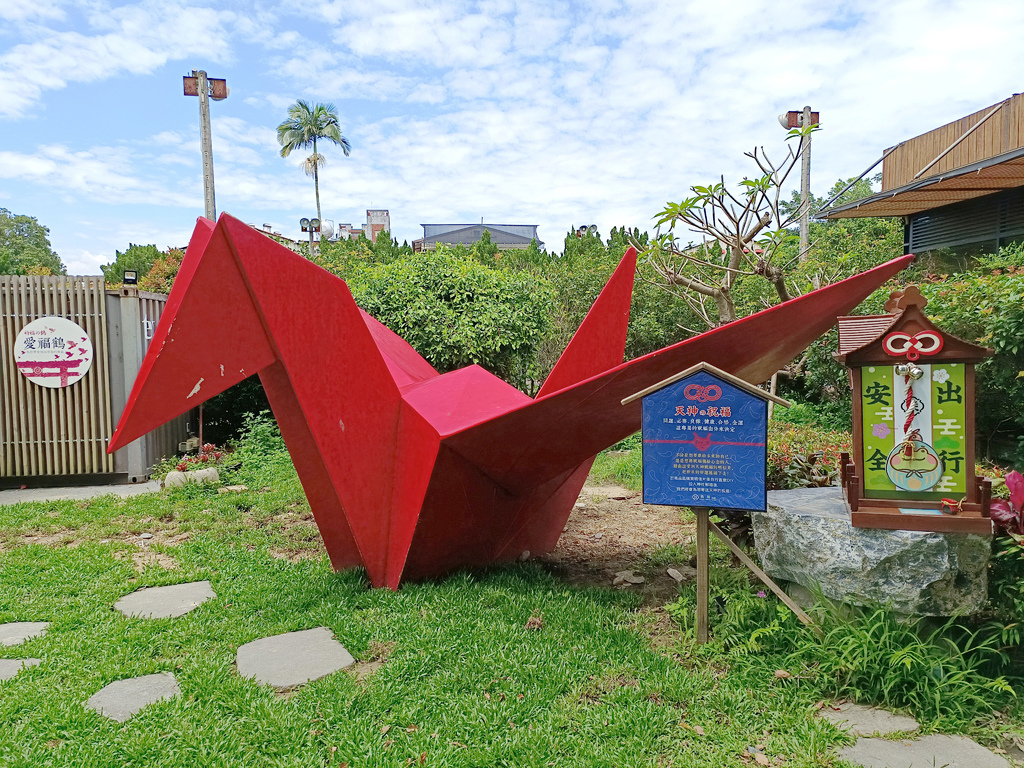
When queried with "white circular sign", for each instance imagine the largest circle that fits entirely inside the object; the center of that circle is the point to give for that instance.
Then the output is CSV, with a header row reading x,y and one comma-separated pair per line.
x,y
53,352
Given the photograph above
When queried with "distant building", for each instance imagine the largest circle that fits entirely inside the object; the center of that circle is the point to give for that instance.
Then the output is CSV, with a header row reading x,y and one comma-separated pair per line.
x,y
287,242
377,220
505,236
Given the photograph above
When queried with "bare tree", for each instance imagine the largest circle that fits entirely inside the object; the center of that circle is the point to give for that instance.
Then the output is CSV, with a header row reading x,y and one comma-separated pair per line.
x,y
741,234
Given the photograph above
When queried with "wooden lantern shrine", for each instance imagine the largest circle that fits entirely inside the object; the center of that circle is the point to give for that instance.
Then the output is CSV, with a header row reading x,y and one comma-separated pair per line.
x,y
913,423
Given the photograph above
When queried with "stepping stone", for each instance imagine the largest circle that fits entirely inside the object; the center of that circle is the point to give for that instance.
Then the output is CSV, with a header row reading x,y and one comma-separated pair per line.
x,y
165,602
927,752
18,632
865,721
294,658
123,698
10,667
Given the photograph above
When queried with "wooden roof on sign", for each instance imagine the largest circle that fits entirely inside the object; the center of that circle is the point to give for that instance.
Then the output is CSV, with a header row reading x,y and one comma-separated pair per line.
x,y
862,343
746,386
858,330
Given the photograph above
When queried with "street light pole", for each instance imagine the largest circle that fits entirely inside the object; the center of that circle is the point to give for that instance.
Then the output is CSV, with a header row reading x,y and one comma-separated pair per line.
x,y
311,226
207,143
805,188
206,88
803,119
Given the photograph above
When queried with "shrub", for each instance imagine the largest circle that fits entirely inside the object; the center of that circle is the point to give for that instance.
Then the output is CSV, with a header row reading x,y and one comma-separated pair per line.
x,y
870,654
787,441
455,311
208,456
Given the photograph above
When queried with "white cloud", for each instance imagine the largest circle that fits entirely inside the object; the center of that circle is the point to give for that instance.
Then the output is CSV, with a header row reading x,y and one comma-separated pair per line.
x,y
25,10
100,174
545,111
131,39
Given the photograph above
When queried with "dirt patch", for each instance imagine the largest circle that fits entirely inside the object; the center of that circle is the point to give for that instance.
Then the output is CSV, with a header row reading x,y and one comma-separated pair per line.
x,y
144,557
47,540
611,531
296,555
141,560
379,653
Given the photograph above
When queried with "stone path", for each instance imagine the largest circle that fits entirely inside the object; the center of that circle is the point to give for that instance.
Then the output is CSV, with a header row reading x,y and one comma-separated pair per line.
x,y
123,698
866,721
165,602
926,752
281,661
18,632
285,661
19,495
10,667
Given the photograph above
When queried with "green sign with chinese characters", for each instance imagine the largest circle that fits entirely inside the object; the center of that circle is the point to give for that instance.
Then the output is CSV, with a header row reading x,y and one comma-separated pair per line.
x,y
935,408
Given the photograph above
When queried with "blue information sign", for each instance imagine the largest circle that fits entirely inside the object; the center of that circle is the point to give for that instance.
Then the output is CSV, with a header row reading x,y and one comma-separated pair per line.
x,y
704,444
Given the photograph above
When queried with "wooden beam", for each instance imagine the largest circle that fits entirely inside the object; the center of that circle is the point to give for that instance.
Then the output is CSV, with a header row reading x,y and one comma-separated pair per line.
x,y
745,559
702,572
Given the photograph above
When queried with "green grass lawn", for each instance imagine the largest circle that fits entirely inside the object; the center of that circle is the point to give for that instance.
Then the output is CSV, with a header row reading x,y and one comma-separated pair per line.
x,y
450,675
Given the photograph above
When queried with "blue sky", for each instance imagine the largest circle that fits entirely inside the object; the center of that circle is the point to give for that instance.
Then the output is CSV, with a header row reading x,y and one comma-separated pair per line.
x,y
549,113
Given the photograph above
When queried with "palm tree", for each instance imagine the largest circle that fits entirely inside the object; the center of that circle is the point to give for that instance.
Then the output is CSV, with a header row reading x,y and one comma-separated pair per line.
x,y
305,125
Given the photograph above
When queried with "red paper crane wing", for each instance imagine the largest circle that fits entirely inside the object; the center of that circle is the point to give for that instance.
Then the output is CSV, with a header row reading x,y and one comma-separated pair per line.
x,y
556,432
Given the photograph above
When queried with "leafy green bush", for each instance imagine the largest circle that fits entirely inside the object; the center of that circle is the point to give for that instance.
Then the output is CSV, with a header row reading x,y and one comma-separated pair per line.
x,y
888,660
624,468
833,416
455,311
987,307
787,441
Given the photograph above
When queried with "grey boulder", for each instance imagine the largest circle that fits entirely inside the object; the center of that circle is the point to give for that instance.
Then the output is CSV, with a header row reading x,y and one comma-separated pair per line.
x,y
806,537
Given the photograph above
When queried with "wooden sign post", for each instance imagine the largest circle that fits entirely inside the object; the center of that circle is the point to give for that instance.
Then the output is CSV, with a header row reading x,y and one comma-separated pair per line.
x,y
705,446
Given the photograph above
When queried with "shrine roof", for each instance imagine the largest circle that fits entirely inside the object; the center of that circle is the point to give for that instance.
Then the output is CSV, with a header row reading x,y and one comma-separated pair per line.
x,y
859,330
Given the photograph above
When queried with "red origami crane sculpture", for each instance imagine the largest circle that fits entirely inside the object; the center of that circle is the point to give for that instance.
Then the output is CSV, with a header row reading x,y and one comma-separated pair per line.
x,y
408,472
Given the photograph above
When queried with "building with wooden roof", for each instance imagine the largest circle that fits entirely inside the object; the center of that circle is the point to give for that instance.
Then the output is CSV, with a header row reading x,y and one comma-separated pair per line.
x,y
961,184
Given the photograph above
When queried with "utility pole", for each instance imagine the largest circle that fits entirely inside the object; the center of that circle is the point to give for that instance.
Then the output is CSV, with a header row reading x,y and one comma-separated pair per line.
x,y
804,119
805,188
206,88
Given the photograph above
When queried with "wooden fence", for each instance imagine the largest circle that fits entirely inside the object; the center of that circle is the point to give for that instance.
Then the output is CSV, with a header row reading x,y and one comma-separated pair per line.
x,y
64,431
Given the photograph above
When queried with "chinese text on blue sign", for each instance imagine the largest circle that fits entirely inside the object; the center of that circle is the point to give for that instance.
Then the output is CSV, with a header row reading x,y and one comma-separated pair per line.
x,y
704,444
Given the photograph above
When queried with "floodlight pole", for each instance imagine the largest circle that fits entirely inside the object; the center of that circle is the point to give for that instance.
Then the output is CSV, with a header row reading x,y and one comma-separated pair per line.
x,y
805,188
201,86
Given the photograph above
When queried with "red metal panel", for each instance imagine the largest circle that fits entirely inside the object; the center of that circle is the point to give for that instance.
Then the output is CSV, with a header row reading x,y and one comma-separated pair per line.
x,y
418,445
198,349
340,380
408,472
600,342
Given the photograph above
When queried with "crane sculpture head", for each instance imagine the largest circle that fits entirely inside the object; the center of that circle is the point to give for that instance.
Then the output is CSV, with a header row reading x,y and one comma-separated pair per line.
x,y
411,473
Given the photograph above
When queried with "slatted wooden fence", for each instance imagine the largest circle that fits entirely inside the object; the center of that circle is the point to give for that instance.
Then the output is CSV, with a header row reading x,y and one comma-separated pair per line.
x,y
62,432
47,431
